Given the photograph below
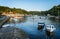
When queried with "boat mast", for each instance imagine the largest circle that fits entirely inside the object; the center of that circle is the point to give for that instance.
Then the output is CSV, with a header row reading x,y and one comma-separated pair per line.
x,y
58,12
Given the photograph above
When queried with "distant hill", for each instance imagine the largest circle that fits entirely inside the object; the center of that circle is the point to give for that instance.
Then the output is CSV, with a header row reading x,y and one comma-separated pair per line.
x,y
14,10
55,10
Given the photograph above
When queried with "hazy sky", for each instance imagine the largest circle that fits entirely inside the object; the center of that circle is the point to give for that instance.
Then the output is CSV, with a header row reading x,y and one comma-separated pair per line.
x,y
30,4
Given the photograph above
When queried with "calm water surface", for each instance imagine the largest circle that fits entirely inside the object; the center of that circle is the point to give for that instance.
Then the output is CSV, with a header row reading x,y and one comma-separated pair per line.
x,y
30,27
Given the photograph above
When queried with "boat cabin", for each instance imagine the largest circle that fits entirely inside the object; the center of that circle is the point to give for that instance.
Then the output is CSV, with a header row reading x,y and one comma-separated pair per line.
x,y
50,28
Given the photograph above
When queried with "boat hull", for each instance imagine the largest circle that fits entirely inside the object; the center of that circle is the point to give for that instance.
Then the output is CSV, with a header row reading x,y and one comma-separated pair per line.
x,y
49,30
40,27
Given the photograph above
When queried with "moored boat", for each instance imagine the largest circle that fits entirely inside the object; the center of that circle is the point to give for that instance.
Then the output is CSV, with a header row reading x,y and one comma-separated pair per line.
x,y
41,25
50,28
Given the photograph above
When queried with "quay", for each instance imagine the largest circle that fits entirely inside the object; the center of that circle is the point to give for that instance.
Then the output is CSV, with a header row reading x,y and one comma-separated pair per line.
x,y
11,32
3,20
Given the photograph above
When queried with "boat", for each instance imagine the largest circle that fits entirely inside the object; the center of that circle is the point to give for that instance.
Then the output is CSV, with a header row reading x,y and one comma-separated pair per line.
x,y
50,28
6,25
57,18
41,25
40,17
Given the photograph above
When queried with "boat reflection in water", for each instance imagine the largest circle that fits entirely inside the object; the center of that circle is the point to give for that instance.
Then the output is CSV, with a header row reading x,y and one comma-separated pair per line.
x,y
50,34
50,31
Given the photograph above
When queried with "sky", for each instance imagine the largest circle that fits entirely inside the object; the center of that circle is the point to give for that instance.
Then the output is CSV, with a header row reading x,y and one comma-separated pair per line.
x,y
30,5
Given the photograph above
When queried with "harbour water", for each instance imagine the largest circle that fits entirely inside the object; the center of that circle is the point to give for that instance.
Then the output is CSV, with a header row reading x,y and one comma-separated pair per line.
x,y
30,24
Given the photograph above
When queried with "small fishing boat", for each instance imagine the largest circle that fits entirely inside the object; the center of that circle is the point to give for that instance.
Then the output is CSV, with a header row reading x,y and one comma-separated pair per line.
x,y
50,28
41,25
6,25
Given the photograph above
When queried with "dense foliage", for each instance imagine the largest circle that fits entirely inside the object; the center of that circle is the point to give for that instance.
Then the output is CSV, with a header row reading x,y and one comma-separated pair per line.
x,y
55,10
14,10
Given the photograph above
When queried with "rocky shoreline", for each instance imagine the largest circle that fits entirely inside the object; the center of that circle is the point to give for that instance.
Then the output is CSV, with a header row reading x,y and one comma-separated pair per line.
x,y
12,33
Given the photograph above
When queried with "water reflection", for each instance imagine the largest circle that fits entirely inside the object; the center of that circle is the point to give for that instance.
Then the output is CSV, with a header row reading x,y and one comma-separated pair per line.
x,y
18,20
49,34
30,25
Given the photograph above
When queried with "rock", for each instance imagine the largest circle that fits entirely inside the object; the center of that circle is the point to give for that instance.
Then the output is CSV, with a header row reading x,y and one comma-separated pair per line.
x,y
12,33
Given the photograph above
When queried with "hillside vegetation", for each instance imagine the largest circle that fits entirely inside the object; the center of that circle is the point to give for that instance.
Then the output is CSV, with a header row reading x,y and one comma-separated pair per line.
x,y
14,10
55,10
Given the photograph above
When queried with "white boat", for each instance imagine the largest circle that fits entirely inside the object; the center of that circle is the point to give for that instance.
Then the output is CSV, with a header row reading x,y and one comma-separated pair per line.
x,y
50,28
6,25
